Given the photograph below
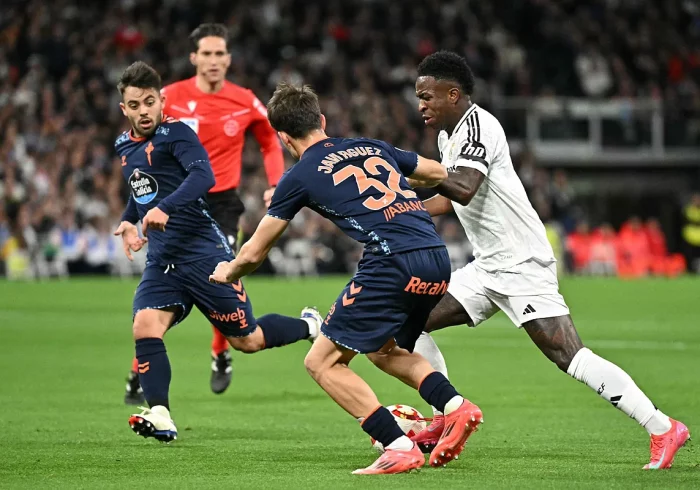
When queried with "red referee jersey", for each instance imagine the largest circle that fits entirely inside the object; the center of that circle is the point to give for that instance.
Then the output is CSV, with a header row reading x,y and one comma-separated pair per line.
x,y
221,121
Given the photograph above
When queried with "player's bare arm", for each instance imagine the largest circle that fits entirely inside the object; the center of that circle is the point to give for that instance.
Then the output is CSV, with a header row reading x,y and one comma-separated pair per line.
x,y
438,205
428,173
461,185
252,253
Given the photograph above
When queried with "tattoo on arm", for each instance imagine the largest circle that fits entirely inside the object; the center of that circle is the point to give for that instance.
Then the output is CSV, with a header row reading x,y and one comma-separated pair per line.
x,y
461,185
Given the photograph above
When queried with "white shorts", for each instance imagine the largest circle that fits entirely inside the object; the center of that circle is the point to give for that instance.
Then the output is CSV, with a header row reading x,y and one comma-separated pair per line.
x,y
525,292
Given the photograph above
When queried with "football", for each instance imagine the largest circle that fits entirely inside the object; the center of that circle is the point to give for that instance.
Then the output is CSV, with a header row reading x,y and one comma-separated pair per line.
x,y
409,419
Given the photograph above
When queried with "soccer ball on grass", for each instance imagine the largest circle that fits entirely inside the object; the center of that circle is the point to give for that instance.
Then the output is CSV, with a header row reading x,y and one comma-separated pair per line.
x,y
409,419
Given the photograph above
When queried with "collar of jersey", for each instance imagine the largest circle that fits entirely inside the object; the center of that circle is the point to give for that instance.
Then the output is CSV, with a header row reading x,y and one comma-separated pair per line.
x,y
318,145
471,109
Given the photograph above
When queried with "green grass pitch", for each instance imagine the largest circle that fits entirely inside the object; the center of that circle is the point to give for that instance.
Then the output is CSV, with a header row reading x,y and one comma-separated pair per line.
x,y
65,349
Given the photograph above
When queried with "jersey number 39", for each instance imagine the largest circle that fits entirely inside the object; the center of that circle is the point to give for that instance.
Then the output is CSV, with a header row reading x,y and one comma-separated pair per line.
x,y
372,166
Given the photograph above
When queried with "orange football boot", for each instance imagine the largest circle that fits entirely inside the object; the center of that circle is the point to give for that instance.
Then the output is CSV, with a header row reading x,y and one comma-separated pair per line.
x,y
428,438
664,447
393,461
459,425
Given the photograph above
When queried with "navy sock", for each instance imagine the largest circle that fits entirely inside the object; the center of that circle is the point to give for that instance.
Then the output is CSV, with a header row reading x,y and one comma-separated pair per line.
x,y
382,426
437,390
281,330
154,371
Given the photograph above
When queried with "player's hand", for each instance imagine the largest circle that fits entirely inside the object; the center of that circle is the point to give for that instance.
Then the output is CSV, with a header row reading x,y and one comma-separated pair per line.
x,y
131,241
223,274
155,219
267,196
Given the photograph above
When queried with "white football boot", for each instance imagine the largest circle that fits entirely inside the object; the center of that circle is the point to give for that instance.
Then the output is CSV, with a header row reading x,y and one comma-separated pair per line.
x,y
154,422
312,316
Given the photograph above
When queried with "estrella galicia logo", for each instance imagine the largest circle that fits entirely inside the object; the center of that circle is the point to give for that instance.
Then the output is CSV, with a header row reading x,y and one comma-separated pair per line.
x,y
144,187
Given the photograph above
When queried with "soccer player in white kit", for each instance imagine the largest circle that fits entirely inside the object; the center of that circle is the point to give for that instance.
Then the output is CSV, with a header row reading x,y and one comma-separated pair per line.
x,y
514,268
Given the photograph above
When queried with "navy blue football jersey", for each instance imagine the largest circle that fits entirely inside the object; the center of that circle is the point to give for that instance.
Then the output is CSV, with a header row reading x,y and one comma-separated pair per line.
x,y
171,170
359,184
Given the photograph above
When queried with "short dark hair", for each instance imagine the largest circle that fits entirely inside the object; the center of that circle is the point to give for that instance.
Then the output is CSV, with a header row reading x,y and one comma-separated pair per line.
x,y
294,110
446,65
206,30
139,75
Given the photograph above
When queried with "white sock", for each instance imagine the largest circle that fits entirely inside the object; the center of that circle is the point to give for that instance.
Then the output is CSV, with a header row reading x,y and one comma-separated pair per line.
x,y
617,387
426,347
454,403
403,443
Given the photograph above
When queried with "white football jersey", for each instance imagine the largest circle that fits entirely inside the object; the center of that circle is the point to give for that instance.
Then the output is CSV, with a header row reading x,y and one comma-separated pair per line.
x,y
500,222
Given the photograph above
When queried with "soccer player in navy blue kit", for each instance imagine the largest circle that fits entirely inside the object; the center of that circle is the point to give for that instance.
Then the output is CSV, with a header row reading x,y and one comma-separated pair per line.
x,y
360,185
168,174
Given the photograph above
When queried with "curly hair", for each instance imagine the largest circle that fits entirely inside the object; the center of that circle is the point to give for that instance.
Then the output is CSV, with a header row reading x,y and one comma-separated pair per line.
x,y
446,65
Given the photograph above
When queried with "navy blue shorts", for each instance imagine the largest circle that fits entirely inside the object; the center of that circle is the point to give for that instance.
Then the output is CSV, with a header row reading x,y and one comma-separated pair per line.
x,y
226,306
389,297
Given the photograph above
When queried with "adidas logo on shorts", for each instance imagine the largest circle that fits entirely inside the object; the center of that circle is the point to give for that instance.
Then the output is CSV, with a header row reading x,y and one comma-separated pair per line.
x,y
529,309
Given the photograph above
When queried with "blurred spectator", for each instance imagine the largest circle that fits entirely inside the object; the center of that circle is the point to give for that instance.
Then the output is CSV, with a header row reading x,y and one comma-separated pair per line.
x,y
691,233
59,112
594,72
99,246
578,247
562,199
634,253
662,264
17,249
4,237
603,255
554,232
656,239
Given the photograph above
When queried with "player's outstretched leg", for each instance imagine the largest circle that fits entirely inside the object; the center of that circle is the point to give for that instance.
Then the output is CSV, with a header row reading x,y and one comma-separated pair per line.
x,y
558,339
327,363
448,312
427,439
134,393
221,368
462,418
154,374
275,330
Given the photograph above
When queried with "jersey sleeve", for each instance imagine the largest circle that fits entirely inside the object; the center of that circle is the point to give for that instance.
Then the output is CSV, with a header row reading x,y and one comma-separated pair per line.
x,y
192,156
185,145
270,147
131,212
476,145
406,160
289,198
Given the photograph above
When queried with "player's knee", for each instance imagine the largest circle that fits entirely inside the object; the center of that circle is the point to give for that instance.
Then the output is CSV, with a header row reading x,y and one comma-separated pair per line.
x,y
248,345
314,365
147,324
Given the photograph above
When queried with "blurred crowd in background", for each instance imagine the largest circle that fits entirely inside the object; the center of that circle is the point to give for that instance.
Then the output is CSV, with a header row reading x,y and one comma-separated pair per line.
x,y
61,185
